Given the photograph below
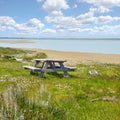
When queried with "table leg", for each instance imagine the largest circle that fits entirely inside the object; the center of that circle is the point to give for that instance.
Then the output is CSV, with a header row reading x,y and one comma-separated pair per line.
x,y
41,74
31,72
66,74
64,70
36,63
44,67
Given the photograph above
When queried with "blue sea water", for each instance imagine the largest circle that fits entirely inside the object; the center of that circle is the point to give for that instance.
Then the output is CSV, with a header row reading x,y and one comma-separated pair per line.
x,y
103,45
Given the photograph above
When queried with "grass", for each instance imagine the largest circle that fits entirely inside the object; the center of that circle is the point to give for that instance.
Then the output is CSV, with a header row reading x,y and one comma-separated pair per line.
x,y
92,92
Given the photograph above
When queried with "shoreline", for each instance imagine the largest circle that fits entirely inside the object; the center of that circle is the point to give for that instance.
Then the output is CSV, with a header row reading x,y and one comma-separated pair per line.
x,y
21,41
101,46
74,58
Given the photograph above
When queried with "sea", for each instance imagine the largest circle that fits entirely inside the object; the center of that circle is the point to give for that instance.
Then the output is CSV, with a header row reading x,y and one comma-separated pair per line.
x,y
91,45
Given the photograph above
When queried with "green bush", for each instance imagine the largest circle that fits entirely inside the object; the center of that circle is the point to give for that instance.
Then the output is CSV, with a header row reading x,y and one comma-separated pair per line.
x,y
31,56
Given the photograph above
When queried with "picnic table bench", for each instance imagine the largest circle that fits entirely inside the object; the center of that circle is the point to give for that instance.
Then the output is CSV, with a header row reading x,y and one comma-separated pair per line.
x,y
49,65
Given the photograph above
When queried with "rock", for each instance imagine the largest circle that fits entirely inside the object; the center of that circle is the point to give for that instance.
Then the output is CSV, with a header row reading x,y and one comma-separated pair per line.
x,y
93,72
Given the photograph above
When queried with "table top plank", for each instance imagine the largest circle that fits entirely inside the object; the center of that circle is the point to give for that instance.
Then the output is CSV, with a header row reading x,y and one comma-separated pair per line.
x,y
49,60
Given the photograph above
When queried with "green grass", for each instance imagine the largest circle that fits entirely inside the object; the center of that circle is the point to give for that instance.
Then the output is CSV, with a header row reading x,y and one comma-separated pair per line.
x,y
54,97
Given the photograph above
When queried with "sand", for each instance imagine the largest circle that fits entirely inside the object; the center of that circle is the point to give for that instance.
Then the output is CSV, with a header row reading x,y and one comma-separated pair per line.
x,y
74,58
15,41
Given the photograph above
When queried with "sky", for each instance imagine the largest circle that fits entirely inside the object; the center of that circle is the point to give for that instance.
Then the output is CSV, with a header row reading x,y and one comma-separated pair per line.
x,y
60,18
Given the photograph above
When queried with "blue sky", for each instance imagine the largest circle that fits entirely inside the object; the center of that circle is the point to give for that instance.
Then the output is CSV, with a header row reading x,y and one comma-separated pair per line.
x,y
60,18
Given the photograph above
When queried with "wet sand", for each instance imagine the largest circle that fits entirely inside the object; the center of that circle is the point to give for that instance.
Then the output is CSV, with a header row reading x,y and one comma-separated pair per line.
x,y
14,41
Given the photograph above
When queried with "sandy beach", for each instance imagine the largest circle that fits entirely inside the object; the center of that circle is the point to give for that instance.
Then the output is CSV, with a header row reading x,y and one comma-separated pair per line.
x,y
74,58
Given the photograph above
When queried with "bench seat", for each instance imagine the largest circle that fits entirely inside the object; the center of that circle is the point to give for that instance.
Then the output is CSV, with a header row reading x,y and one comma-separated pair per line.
x,y
48,70
70,68
34,69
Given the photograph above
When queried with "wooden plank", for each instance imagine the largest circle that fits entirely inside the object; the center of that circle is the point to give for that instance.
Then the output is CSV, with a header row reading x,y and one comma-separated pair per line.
x,y
32,68
70,68
50,60
52,70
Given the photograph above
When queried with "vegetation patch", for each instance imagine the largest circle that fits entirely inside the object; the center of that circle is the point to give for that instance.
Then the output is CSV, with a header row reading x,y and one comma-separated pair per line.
x,y
26,55
92,92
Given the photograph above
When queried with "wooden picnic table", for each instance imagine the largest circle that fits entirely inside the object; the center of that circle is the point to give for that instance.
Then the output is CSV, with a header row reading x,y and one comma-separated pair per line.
x,y
49,65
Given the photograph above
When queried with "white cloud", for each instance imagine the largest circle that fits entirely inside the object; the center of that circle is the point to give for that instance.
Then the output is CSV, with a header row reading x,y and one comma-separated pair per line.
x,y
56,13
71,23
35,23
74,30
39,0
62,22
55,5
75,6
102,9
32,26
49,31
105,3
87,15
106,19
88,18
105,29
6,23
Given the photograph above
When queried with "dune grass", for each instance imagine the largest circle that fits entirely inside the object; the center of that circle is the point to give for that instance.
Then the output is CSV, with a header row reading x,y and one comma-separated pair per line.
x,y
92,92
